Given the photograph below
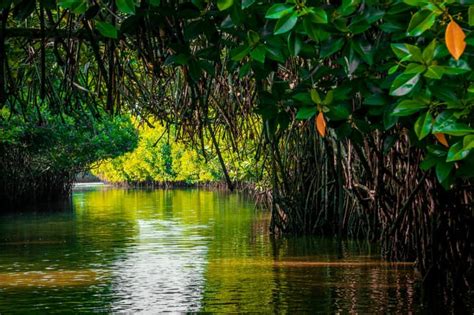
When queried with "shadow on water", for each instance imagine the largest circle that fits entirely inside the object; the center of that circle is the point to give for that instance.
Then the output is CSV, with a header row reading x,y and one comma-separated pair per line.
x,y
115,250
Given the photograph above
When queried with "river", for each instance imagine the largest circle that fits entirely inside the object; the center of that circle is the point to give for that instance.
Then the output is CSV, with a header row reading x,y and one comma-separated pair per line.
x,y
115,250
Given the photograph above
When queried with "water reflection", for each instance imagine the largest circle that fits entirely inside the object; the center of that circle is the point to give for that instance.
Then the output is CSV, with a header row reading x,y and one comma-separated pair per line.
x,y
185,250
163,270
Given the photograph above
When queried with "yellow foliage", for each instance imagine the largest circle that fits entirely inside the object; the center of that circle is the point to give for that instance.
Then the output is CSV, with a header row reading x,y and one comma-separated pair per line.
x,y
158,158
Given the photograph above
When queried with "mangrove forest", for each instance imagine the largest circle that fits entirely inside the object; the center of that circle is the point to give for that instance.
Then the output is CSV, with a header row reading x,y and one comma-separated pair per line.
x,y
237,156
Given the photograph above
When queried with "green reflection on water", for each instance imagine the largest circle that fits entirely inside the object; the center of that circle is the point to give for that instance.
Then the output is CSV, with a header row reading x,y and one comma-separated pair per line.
x,y
185,250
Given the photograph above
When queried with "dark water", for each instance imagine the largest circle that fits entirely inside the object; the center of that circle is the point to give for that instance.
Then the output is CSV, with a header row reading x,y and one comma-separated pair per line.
x,y
185,250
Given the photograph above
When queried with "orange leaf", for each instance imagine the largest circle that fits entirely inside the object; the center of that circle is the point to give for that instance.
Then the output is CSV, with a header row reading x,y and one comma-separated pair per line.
x,y
442,139
321,124
455,39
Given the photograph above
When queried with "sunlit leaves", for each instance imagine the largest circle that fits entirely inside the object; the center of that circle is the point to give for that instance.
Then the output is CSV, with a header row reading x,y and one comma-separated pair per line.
x,y
447,123
224,4
279,10
429,52
420,22
423,125
286,23
457,152
401,51
408,107
454,37
404,84
286,17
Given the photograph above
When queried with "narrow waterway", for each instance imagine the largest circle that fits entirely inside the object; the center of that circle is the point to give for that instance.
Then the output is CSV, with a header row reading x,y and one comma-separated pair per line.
x,y
117,250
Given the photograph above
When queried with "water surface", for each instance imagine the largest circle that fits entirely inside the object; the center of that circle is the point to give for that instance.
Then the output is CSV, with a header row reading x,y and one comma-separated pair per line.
x,y
119,250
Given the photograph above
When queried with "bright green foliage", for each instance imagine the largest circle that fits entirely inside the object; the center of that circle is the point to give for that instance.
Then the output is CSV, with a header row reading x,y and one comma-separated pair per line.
x,y
160,158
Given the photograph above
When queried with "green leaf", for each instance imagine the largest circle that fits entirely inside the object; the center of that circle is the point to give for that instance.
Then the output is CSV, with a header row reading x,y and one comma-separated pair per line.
x,y
330,47
437,150
457,152
420,22
224,4
416,2
179,59
126,6
338,112
107,29
329,98
306,112
348,7
76,6
244,70
471,15
423,125
447,123
258,53
364,50
389,120
318,16
468,142
375,100
304,98
247,3
286,23
414,68
279,10
428,162
275,53
239,53
415,53
393,69
315,96
404,84
435,72
429,51
443,170
294,44
408,107
253,37
401,51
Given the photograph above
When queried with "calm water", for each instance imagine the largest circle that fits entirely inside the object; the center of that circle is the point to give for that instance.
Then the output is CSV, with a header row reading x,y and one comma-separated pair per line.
x,y
185,250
